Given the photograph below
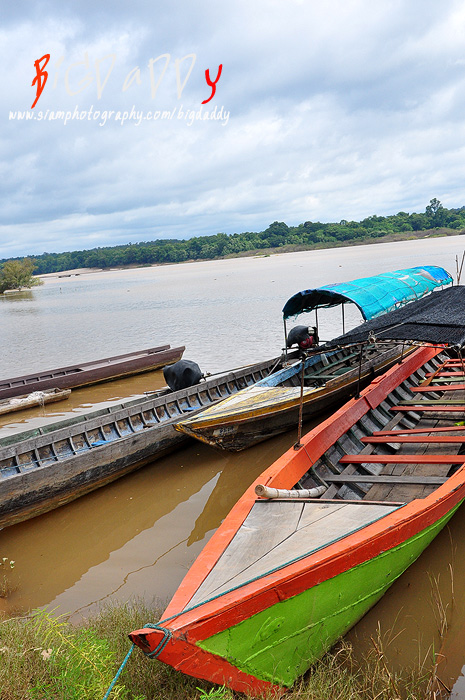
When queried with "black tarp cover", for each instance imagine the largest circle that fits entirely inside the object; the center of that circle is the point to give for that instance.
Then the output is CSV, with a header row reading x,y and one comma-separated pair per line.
x,y
437,318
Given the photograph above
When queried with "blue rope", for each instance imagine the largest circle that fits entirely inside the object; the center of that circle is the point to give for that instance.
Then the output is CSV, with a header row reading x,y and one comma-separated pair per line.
x,y
112,684
161,645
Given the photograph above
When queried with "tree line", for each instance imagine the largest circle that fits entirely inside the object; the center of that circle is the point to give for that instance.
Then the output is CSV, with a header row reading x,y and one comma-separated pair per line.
x,y
311,234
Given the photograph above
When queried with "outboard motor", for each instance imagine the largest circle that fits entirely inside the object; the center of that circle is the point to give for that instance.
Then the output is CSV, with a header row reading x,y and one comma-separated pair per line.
x,y
182,374
304,336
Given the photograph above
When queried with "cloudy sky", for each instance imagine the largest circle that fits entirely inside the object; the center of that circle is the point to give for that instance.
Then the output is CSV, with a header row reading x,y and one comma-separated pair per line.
x,y
324,110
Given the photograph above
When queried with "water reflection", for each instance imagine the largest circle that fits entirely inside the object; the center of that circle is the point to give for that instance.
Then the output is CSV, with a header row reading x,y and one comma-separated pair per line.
x,y
12,297
135,537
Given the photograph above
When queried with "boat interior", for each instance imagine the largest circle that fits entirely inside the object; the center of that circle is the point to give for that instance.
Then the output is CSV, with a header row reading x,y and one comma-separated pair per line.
x,y
399,451
388,455
324,367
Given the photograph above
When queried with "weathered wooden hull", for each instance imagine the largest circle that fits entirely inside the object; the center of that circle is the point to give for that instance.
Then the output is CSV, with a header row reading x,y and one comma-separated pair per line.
x,y
88,373
44,468
21,403
268,411
259,605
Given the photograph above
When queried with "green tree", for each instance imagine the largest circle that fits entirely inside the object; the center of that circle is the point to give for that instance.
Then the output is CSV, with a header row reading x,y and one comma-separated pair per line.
x,y
436,213
17,274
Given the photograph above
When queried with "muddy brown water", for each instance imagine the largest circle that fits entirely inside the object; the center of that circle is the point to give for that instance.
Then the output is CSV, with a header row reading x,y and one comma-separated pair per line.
x,y
138,536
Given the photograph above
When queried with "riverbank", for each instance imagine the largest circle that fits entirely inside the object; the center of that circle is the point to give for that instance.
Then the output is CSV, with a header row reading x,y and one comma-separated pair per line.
x,y
45,657
267,252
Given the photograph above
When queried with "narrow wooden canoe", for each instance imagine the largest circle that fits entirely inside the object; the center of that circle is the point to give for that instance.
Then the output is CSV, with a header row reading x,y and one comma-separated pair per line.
x,y
44,468
272,405
36,398
284,577
94,372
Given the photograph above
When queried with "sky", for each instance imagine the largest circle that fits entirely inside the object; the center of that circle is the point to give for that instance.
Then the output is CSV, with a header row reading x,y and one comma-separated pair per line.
x,y
323,111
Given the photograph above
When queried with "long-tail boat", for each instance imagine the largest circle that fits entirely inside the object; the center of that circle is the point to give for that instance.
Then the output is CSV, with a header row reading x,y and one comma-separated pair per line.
x,y
325,378
87,373
46,467
322,534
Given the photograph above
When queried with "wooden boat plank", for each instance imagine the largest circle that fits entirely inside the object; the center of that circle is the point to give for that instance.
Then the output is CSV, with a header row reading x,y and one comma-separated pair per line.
x,y
272,528
437,387
241,562
433,402
416,439
403,459
419,431
446,374
384,479
418,408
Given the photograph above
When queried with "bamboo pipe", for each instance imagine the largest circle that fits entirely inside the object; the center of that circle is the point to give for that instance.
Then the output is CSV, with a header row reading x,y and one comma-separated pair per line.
x,y
267,492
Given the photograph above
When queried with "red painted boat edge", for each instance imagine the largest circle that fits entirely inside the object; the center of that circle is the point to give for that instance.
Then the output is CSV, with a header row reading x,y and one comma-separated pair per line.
x,y
194,661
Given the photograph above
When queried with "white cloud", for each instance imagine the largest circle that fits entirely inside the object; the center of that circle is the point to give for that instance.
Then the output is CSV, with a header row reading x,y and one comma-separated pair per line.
x,y
337,110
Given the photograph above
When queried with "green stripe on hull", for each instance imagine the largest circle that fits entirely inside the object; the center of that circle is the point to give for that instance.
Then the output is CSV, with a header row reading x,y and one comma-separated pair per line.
x,y
281,643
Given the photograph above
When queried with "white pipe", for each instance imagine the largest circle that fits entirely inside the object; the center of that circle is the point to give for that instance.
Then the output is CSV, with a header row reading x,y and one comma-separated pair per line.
x,y
267,492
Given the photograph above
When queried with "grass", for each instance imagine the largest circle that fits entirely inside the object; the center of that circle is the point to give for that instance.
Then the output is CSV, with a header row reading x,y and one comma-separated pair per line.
x,y
43,657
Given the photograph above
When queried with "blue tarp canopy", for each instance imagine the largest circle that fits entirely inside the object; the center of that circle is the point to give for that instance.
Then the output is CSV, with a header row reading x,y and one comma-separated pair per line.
x,y
437,318
374,296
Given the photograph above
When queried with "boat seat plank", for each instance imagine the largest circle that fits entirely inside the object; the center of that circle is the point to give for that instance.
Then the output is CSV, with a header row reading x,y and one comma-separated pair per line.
x,y
445,387
420,439
403,459
418,408
418,431
325,377
385,479
339,363
241,562
433,402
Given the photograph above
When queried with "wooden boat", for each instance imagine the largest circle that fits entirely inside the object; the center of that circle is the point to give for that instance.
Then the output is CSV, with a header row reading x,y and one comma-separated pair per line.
x,y
44,468
36,398
320,536
94,372
327,378
272,405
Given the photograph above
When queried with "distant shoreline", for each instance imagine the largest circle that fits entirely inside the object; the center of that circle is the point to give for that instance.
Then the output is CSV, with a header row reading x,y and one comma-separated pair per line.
x,y
267,252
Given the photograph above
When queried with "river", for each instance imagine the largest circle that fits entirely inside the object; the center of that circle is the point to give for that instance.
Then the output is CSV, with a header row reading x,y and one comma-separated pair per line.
x,y
139,535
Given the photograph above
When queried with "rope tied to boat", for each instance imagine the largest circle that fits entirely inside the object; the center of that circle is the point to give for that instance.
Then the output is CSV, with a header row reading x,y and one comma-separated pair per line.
x,y
153,654
118,673
166,637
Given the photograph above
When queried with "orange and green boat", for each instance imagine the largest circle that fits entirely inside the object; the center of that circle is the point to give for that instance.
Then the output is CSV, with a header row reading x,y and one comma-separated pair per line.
x,y
321,535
